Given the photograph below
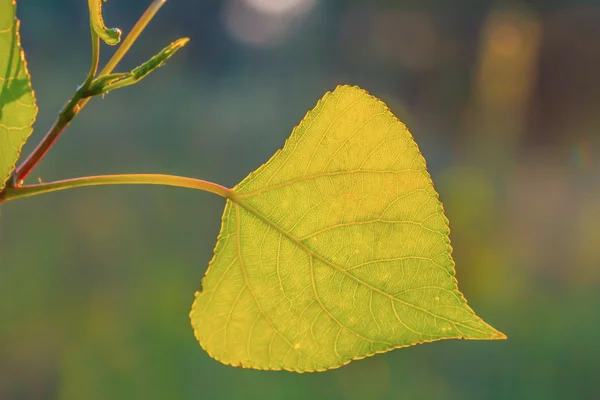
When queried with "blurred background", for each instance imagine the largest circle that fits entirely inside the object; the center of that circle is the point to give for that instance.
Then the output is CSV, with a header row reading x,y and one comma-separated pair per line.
x,y
503,98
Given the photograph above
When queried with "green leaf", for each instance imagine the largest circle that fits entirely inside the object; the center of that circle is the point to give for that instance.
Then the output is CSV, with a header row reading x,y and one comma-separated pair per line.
x,y
334,250
17,102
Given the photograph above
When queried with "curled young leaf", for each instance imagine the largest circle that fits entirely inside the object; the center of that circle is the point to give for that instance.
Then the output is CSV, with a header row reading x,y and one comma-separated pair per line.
x,y
111,36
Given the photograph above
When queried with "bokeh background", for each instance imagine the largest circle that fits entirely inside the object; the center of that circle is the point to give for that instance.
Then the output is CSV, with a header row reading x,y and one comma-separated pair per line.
x,y
503,98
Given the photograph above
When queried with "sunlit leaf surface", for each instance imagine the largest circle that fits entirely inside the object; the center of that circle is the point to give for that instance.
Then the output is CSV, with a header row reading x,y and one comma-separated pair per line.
x,y
17,102
336,249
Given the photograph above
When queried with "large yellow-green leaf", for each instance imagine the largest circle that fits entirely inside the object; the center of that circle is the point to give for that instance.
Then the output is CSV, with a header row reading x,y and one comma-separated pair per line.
x,y
334,250
17,102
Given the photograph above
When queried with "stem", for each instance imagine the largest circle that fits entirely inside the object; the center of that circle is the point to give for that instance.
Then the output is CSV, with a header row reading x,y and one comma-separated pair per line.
x,y
95,58
66,115
12,193
79,99
64,118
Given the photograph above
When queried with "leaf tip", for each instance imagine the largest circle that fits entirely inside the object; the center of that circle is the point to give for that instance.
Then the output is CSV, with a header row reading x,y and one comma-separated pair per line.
x,y
499,336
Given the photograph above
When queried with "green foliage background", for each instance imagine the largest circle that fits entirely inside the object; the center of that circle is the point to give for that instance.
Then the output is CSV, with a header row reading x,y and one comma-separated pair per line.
x,y
96,284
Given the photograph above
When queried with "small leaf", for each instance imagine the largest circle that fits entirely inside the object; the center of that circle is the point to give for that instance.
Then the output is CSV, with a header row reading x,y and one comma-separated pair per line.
x,y
110,36
159,59
106,83
17,102
334,250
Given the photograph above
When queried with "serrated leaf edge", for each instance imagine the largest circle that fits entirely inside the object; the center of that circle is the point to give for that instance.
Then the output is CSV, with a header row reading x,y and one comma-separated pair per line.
x,y
499,335
24,61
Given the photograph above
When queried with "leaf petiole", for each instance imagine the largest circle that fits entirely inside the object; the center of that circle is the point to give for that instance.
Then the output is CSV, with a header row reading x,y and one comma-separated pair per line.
x,y
13,193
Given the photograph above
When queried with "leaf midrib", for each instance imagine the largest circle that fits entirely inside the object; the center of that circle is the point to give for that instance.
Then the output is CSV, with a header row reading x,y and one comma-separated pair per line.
x,y
234,197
